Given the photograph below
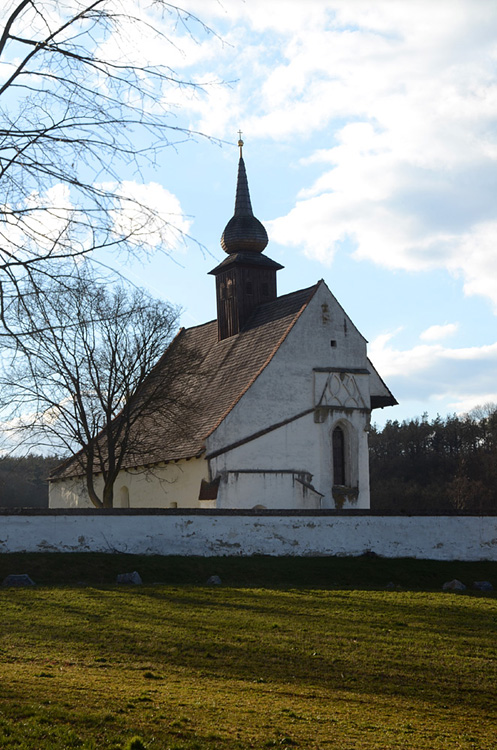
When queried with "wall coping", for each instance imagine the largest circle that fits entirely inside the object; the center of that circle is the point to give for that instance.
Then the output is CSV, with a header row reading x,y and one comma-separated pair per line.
x,y
213,512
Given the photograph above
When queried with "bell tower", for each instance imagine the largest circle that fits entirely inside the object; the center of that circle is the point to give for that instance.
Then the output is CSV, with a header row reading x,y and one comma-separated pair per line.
x,y
246,278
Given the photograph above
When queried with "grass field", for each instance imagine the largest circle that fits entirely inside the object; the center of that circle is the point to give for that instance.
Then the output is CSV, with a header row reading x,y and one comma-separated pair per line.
x,y
287,653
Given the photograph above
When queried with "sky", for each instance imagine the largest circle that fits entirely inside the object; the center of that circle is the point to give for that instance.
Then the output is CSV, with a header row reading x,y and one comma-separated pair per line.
x,y
370,132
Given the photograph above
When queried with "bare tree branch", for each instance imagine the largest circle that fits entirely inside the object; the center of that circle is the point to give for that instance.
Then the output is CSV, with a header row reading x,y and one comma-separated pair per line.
x,y
75,117
81,377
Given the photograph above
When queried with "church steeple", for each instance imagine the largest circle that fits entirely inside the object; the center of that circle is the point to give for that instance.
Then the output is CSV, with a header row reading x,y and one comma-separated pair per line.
x,y
246,278
243,232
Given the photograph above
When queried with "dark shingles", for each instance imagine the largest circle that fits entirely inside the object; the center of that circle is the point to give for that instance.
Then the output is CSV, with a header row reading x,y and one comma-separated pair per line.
x,y
217,376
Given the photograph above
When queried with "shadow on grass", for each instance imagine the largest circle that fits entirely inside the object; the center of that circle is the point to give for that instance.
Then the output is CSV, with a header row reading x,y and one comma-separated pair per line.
x,y
258,571
431,647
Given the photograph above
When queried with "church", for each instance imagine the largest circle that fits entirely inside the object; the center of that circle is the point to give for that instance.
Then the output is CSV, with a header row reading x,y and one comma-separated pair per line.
x,y
277,413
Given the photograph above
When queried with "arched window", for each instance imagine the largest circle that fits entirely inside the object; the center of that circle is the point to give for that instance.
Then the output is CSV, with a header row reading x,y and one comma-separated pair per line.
x,y
338,441
124,497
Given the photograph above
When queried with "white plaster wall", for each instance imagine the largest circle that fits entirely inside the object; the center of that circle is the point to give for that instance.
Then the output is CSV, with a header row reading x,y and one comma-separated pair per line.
x,y
269,490
438,538
300,446
176,484
286,386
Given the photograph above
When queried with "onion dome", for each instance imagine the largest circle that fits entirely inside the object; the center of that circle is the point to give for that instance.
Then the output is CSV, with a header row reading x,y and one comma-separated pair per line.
x,y
243,232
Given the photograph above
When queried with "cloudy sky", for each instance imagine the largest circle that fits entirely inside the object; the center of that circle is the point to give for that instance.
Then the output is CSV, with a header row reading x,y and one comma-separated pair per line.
x,y
370,134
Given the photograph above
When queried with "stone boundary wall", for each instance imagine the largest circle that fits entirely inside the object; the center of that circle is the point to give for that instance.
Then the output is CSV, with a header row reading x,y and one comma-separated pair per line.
x,y
278,533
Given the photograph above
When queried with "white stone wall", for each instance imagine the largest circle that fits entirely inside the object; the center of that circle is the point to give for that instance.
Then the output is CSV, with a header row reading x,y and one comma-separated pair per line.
x,y
267,490
172,485
438,538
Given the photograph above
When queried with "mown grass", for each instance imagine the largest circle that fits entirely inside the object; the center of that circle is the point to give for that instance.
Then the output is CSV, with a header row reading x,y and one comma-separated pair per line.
x,y
187,667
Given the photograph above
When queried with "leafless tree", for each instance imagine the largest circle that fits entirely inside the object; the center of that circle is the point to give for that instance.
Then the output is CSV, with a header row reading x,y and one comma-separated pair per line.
x,y
80,378
79,109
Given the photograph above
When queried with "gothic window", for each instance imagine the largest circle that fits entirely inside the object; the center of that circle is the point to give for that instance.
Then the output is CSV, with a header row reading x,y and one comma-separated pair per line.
x,y
123,500
338,441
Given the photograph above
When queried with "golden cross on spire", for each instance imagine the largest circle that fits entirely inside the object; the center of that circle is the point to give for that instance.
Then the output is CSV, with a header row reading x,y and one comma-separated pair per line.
x,y
240,142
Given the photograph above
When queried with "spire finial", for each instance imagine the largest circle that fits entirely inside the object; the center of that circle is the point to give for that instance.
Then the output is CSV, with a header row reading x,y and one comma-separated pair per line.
x,y
240,143
243,232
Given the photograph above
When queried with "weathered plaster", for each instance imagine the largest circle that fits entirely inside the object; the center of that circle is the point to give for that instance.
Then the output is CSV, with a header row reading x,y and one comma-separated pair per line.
x,y
439,538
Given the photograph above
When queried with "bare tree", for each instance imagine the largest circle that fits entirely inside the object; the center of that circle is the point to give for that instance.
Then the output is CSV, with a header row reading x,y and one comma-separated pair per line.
x,y
81,374
79,108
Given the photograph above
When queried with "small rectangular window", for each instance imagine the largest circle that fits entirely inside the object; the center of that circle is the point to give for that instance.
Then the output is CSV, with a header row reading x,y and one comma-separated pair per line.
x,y
249,287
333,343
265,290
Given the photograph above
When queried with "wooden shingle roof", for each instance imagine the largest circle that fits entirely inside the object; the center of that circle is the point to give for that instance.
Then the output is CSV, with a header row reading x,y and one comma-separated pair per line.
x,y
218,375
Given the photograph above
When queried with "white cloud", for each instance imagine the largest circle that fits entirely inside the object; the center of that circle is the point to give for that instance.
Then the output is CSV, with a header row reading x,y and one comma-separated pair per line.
x,y
41,227
149,215
405,93
465,403
461,377
439,332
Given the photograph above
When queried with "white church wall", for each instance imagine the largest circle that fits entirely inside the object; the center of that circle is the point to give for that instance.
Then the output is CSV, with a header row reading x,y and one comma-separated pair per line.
x,y
302,446
289,386
175,484
172,533
267,490
285,387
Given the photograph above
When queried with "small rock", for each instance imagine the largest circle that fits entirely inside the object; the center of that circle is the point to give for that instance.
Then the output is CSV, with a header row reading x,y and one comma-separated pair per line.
x,y
483,586
133,577
454,585
214,581
391,586
18,580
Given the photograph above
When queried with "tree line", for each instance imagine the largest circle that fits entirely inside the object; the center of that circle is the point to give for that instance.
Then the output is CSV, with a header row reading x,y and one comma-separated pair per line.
x,y
440,465
24,480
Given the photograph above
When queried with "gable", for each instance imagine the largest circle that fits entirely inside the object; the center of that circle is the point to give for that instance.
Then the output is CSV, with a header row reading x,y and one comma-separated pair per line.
x,y
322,339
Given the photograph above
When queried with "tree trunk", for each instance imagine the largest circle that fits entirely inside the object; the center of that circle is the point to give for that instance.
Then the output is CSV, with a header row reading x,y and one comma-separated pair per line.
x,y
108,495
90,486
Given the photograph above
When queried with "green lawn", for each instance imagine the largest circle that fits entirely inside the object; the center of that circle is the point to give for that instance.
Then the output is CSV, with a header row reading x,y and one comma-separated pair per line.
x,y
326,664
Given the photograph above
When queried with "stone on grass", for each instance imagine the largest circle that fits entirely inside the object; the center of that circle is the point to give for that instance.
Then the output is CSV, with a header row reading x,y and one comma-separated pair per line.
x,y
18,580
129,578
214,581
483,586
391,586
454,585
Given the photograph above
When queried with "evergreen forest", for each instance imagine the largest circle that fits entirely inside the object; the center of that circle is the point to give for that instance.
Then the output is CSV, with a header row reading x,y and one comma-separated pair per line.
x,y
437,466
24,480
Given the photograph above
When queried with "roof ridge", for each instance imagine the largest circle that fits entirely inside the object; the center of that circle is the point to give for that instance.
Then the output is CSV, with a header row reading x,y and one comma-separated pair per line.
x,y
310,289
199,325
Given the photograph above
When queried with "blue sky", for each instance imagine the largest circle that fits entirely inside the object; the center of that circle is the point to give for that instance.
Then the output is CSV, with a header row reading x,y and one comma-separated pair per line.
x,y
370,134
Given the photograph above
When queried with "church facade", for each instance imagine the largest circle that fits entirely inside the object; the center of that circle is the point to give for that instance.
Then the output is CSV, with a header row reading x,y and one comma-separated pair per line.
x,y
278,411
